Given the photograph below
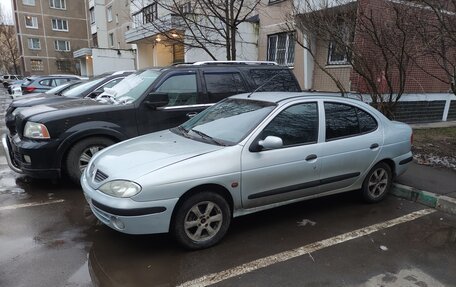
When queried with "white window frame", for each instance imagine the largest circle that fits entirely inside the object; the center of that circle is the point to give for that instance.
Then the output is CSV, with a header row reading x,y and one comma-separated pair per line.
x,y
111,39
331,46
67,45
31,44
34,22
61,4
92,15
29,2
109,13
56,27
275,37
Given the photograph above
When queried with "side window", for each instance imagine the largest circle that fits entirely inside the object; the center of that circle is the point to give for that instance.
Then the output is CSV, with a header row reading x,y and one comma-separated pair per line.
x,y
295,125
283,80
181,90
222,85
58,82
367,123
107,85
344,121
47,82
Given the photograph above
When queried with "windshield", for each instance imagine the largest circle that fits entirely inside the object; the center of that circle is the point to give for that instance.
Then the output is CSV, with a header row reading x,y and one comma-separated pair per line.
x,y
56,89
227,122
129,89
79,90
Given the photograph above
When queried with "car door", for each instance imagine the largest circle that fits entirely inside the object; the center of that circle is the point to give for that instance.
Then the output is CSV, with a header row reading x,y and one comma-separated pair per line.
x,y
289,172
183,94
222,84
353,139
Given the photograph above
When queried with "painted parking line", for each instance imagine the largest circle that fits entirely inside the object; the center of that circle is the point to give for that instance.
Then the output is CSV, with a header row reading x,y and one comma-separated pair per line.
x,y
17,206
214,278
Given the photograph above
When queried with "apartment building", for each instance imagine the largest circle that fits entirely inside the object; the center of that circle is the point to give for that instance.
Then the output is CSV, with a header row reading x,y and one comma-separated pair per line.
x,y
108,51
48,31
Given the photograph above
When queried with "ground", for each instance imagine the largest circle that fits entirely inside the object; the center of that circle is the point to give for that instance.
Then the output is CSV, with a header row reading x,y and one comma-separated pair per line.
x,y
435,147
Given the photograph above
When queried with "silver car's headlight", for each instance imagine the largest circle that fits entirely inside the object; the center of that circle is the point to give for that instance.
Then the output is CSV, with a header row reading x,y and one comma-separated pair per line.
x,y
120,188
36,131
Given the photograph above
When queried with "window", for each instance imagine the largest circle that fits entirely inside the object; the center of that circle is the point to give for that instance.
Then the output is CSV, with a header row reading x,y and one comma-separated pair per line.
x,y
36,65
222,85
274,80
186,8
62,45
34,43
57,4
281,48
31,22
47,82
59,25
150,13
63,66
344,121
28,2
109,11
92,15
111,39
181,89
178,53
337,51
295,125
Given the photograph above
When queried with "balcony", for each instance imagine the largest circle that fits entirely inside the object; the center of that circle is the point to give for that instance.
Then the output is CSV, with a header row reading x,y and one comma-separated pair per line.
x,y
142,31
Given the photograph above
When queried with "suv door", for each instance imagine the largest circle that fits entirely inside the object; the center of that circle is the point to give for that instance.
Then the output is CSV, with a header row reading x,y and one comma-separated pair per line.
x,y
289,172
184,102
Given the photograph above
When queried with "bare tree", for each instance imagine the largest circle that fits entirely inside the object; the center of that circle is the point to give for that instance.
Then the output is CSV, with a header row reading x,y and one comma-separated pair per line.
x,y
373,37
202,24
437,32
9,52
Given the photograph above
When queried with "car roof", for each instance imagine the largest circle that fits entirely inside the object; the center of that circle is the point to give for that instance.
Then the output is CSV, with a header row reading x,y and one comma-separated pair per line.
x,y
276,97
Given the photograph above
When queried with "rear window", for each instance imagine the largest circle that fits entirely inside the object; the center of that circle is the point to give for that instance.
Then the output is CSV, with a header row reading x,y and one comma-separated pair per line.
x,y
270,80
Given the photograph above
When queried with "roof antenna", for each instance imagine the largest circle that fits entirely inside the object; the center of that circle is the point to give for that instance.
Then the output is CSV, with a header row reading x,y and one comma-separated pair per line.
x,y
262,85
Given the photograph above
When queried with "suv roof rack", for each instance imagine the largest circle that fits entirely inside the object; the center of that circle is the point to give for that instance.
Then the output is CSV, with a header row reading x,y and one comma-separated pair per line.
x,y
269,63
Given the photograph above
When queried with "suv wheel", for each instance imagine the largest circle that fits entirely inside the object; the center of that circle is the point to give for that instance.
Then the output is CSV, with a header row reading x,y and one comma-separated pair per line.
x,y
201,221
81,153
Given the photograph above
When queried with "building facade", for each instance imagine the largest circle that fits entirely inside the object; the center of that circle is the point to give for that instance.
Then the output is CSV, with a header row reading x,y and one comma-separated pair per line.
x,y
48,31
107,51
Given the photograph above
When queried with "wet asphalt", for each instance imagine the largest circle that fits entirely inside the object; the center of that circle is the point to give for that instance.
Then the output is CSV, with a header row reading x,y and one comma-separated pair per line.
x,y
48,237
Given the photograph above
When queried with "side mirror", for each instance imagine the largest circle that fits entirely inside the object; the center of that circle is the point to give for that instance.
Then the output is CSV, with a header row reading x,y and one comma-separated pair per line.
x,y
270,142
155,100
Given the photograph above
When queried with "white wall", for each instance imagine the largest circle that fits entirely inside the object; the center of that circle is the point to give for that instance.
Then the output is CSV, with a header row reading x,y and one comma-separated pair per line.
x,y
108,60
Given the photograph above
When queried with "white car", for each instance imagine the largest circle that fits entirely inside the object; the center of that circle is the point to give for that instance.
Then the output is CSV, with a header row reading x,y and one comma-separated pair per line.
x,y
247,153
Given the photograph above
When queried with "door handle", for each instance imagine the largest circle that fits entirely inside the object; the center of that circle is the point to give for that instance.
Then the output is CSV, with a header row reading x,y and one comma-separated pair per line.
x,y
192,114
311,157
374,146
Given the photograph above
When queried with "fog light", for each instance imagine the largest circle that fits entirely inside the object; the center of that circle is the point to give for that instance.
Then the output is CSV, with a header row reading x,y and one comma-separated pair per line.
x,y
27,159
117,223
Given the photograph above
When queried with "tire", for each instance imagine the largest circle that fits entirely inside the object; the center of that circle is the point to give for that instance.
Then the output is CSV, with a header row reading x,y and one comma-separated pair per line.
x,y
377,183
208,228
80,153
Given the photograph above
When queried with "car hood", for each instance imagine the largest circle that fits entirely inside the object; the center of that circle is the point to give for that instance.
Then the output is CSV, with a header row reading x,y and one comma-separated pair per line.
x,y
139,156
37,99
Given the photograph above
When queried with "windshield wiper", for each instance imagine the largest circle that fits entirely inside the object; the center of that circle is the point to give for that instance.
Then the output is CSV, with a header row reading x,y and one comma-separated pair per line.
x,y
207,137
183,131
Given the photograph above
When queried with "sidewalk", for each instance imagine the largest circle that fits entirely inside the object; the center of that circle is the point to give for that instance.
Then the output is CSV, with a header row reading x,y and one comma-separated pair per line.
x,y
431,186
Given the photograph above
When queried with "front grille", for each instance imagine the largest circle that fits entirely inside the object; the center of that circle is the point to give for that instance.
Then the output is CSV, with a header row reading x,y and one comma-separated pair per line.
x,y
100,176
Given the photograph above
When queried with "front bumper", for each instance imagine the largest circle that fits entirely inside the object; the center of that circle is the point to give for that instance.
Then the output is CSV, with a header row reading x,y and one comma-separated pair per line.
x,y
40,155
129,216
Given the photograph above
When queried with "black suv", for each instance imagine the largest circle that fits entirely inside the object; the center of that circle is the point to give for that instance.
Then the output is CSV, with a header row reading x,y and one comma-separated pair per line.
x,y
64,136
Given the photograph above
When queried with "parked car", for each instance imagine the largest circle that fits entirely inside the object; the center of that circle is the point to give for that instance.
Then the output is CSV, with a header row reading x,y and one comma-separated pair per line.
x,y
8,79
49,139
70,91
40,84
14,86
245,154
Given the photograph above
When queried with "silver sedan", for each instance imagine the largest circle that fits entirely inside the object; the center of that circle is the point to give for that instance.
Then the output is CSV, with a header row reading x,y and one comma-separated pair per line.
x,y
247,153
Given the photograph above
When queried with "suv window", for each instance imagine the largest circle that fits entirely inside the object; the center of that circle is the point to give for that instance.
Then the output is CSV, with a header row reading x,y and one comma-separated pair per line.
x,y
181,89
283,80
46,82
60,81
222,85
295,125
343,120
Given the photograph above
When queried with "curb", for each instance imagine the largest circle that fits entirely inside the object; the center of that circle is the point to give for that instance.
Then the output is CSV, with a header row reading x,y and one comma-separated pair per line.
x,y
440,202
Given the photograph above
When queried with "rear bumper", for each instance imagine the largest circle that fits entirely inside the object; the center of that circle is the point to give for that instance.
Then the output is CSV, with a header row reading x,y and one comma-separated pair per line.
x,y
402,163
40,157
